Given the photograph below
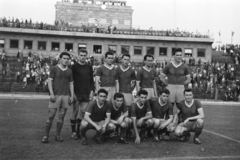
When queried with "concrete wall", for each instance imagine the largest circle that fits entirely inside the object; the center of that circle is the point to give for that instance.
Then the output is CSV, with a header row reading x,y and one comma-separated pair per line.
x,y
105,42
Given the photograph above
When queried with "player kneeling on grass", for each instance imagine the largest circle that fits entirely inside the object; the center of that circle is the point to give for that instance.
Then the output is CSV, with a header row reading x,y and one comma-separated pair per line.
x,y
119,117
160,108
141,115
192,117
96,117
60,84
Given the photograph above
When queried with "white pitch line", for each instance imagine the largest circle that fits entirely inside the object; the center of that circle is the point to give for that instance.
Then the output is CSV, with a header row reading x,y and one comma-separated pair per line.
x,y
220,135
183,158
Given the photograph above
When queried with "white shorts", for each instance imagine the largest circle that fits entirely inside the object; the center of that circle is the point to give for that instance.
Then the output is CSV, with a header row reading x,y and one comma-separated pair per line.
x,y
176,93
128,97
111,92
150,92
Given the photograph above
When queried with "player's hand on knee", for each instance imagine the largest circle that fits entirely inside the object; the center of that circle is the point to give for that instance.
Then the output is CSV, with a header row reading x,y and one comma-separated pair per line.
x,y
98,128
52,98
187,120
103,129
138,140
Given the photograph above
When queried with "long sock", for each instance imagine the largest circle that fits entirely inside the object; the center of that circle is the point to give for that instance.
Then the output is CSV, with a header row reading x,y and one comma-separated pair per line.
x,y
48,127
161,131
107,132
59,128
198,131
73,125
83,131
155,132
123,132
78,127
166,131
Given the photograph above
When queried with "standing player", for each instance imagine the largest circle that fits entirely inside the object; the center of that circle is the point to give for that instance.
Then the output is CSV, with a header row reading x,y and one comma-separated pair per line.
x,y
83,90
141,115
107,74
178,75
96,117
146,76
126,79
119,117
160,107
60,84
192,117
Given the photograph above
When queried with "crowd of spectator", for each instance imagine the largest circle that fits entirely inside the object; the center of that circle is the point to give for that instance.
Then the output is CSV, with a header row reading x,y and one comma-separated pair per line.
x,y
62,25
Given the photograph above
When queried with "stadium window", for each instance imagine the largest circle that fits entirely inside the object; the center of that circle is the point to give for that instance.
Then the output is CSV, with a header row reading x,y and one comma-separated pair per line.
x,y
13,43
28,44
188,52
150,50
82,46
115,21
68,47
201,52
55,46
162,51
112,48
125,49
2,42
137,50
97,49
42,45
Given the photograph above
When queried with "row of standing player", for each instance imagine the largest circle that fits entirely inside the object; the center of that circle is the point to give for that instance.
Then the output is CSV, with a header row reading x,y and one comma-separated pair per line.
x,y
113,80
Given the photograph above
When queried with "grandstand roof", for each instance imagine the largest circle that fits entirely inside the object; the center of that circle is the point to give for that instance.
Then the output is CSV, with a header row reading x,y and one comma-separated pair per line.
x,y
101,35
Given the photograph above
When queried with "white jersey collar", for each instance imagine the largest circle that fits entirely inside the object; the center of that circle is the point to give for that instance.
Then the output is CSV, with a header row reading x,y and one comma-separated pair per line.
x,y
63,69
140,106
111,67
189,105
176,66
100,106
147,69
124,70
161,103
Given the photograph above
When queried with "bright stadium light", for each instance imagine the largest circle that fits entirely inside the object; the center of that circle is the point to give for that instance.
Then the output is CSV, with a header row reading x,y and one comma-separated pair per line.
x,y
103,6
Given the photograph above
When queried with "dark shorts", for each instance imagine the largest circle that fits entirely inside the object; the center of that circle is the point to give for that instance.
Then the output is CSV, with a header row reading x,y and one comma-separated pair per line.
x,y
83,97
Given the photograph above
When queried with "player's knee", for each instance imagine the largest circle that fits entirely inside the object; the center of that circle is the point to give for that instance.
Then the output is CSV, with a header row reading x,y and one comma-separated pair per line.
x,y
149,123
178,131
123,125
200,123
156,123
111,126
84,124
128,121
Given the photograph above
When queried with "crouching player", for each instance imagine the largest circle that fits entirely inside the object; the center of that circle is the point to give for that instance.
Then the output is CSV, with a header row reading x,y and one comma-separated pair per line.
x,y
141,115
96,117
160,108
119,117
192,117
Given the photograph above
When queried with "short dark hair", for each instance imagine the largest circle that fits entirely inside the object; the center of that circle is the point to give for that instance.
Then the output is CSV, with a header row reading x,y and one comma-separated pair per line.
x,y
177,50
64,53
126,55
187,90
144,92
164,90
83,51
148,55
102,91
108,53
118,95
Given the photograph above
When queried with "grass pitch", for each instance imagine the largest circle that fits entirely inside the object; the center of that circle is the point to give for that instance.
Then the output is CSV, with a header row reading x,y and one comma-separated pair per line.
x,y
22,127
